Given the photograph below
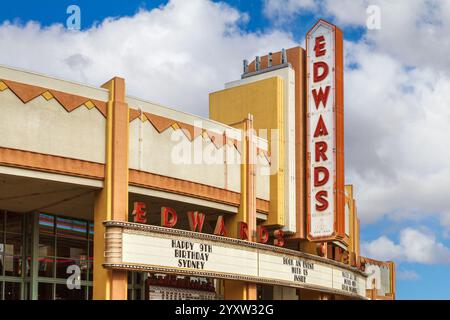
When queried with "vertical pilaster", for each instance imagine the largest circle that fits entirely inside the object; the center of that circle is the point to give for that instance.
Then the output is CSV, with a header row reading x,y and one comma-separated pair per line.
x,y
239,290
111,202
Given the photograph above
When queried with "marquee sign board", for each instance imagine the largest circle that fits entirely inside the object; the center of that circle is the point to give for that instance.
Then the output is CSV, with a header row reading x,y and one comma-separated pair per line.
x,y
325,134
132,246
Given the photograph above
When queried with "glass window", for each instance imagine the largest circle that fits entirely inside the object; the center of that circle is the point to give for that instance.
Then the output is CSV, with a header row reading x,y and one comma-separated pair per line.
x,y
12,265
91,250
12,291
71,228
64,293
46,245
46,267
45,291
28,266
13,244
91,272
46,224
137,294
91,230
71,248
62,268
13,222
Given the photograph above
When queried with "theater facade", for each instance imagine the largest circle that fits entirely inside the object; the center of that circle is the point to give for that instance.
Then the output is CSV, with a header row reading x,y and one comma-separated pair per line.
x,y
110,197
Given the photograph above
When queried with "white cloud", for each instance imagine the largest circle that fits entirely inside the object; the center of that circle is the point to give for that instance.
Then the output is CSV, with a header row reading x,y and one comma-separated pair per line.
x,y
413,31
397,93
414,246
397,138
396,130
174,55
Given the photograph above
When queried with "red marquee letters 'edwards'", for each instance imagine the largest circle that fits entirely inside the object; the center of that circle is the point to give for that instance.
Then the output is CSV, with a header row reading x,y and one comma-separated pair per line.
x,y
325,134
169,219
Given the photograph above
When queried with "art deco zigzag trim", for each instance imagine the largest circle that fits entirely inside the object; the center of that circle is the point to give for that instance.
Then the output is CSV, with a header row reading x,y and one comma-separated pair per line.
x,y
162,123
70,102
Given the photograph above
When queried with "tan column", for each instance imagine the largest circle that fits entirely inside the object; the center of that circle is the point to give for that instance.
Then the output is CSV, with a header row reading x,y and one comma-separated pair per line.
x,y
239,290
111,202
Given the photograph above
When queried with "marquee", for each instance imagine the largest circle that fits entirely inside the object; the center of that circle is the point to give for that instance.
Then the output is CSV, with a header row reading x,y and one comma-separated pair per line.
x,y
133,246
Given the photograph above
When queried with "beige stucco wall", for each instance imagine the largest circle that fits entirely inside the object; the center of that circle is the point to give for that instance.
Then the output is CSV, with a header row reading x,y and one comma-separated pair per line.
x,y
45,126
171,153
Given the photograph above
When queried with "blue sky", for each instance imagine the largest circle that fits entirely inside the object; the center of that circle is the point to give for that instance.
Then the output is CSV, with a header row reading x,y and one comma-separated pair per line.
x,y
395,97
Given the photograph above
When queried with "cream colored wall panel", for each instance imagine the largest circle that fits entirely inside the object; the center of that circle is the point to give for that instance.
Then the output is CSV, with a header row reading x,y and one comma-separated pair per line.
x,y
233,167
208,167
39,80
176,115
171,154
262,178
46,127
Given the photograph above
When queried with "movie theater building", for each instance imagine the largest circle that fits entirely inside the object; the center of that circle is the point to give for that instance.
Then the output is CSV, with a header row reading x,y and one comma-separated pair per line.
x,y
107,196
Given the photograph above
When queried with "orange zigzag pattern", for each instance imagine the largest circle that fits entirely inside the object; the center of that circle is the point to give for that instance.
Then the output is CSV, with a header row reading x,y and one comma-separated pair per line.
x,y
70,102
162,123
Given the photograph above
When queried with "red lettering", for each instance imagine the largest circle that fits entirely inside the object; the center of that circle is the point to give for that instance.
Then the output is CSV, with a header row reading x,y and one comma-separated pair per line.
x,y
196,219
220,230
243,230
263,234
321,96
326,175
168,217
321,197
279,238
139,212
324,68
319,46
321,147
321,129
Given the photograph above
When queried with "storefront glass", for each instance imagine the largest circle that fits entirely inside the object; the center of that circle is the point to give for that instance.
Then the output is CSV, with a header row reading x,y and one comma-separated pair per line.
x,y
14,267
64,250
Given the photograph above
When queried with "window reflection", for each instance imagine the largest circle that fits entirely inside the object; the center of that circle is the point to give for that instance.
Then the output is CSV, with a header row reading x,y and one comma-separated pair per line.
x,y
45,291
64,293
71,228
46,267
13,223
13,265
12,290
63,242
46,224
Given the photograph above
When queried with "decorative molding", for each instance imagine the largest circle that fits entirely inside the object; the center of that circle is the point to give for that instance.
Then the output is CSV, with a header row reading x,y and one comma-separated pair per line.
x,y
70,102
162,123
51,163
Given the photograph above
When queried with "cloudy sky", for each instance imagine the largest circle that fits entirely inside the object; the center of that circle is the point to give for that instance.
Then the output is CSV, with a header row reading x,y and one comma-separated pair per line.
x,y
397,92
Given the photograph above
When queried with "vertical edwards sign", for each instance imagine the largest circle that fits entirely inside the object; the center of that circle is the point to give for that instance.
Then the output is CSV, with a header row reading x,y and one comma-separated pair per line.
x,y
325,134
